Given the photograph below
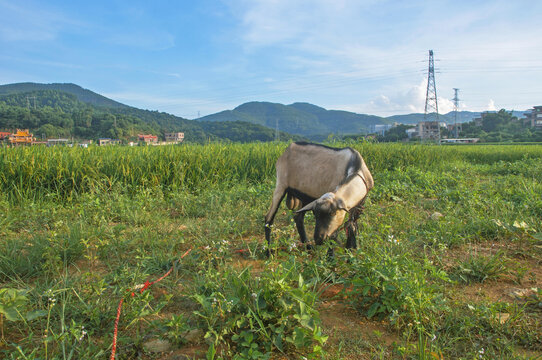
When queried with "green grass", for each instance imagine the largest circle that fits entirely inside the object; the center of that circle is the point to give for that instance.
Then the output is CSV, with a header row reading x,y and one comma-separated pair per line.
x,y
79,227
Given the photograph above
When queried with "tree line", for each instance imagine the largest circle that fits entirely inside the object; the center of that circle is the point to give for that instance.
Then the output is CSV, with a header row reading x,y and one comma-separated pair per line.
x,y
56,114
500,126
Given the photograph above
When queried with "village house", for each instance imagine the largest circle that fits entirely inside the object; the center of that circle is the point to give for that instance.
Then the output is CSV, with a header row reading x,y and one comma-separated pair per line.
x,y
428,130
148,139
174,137
452,127
533,117
53,142
108,141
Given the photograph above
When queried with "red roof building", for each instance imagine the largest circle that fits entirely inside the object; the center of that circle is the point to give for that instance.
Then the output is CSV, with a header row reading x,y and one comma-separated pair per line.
x,y
148,139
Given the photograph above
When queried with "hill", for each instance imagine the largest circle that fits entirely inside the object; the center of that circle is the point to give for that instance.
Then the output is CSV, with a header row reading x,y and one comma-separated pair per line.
x,y
68,110
462,117
299,118
83,95
311,120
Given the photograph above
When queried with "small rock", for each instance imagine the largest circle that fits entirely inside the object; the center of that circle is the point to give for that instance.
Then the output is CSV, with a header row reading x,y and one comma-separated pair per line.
x,y
181,357
436,215
521,294
502,317
194,336
157,346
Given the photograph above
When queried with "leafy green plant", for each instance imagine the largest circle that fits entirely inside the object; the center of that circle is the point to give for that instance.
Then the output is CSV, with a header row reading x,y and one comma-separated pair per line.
x,y
480,268
175,329
256,315
14,307
388,284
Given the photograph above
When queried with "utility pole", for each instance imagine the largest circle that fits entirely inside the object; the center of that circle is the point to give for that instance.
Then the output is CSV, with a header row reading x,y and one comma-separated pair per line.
x,y
431,102
28,98
456,105
277,129
431,93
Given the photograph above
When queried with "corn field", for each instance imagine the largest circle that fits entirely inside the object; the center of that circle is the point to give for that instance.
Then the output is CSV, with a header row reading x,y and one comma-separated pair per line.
x,y
34,172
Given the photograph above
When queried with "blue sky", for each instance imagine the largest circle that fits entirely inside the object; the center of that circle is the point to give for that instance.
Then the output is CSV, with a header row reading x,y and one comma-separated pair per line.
x,y
200,57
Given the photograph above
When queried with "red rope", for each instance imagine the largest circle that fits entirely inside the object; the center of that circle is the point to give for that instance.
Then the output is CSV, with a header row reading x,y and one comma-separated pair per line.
x,y
114,349
143,288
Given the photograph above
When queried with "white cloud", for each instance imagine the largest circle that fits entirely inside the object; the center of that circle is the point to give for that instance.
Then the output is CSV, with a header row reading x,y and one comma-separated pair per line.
x,y
383,46
491,105
392,102
412,100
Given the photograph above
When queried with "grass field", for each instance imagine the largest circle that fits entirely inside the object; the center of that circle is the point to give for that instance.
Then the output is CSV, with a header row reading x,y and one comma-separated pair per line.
x,y
448,265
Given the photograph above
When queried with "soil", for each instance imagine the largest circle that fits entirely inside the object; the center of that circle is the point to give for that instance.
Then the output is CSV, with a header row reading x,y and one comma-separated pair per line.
x,y
341,321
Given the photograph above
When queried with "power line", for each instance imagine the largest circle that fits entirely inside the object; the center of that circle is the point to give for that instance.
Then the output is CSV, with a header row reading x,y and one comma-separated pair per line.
x,y
322,85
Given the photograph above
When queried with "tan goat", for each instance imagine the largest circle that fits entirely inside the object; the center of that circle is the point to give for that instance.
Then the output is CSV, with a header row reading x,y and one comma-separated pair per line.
x,y
328,181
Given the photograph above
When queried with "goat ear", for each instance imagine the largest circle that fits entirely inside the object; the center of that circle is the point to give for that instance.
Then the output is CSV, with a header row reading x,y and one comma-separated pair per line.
x,y
341,205
308,207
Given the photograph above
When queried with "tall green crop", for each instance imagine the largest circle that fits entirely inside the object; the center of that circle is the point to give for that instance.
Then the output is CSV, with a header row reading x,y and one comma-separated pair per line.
x,y
35,172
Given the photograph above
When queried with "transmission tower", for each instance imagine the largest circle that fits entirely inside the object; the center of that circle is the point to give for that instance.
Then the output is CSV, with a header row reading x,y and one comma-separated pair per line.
x,y
431,94
28,98
456,105
431,102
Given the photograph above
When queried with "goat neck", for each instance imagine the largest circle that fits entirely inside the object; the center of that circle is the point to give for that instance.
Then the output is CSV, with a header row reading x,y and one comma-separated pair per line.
x,y
353,191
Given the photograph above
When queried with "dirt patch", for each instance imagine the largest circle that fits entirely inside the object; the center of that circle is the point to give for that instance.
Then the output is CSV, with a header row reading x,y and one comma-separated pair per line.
x,y
523,271
95,267
188,352
256,266
340,321
493,291
529,354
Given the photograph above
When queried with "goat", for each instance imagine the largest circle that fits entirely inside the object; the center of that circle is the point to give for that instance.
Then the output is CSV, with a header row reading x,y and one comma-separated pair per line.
x,y
328,181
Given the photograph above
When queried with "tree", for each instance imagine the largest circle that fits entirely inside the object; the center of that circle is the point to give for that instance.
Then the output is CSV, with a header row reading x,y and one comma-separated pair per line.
x,y
494,121
396,133
48,130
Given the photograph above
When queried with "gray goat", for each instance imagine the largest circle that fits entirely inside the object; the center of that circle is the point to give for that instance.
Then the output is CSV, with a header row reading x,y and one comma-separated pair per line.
x,y
328,181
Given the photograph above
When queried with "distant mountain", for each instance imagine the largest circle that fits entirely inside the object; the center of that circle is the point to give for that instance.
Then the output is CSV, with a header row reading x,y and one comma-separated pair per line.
x,y
83,95
311,120
462,117
299,118
68,110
